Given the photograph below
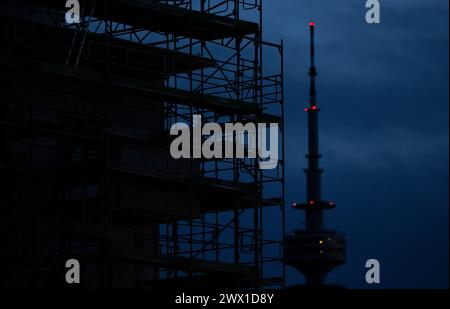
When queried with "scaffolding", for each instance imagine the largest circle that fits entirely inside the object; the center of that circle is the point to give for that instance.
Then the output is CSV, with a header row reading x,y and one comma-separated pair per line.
x,y
204,222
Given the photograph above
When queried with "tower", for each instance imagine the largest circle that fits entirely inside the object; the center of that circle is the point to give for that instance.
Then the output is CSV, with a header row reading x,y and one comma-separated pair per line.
x,y
315,250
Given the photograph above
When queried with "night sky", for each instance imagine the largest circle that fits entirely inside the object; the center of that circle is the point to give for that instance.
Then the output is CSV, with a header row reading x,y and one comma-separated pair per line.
x,y
383,91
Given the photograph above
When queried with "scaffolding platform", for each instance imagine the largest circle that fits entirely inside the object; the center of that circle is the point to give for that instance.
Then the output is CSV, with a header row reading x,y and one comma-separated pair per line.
x,y
208,188
187,264
178,96
164,18
202,281
53,44
161,175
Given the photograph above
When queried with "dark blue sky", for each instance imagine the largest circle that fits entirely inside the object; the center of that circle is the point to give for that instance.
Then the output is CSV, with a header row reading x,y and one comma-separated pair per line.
x,y
383,90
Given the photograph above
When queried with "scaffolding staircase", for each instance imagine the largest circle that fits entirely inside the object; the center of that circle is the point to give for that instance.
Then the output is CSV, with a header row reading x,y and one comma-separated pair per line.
x,y
79,38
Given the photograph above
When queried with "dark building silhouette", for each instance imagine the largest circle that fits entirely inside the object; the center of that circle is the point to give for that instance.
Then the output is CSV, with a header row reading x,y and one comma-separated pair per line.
x,y
86,173
315,250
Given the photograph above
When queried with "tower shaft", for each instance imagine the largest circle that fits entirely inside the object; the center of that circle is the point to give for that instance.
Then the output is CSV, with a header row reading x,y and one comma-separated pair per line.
x,y
314,216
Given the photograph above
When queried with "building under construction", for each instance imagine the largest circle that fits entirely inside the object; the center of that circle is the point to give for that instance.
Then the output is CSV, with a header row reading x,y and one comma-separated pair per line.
x,y
85,167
